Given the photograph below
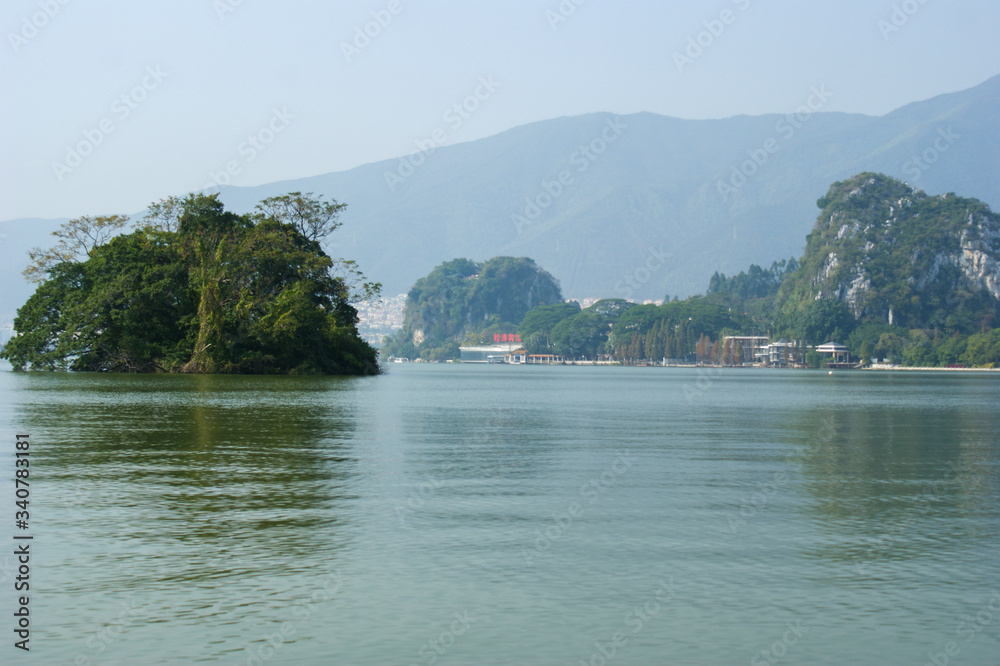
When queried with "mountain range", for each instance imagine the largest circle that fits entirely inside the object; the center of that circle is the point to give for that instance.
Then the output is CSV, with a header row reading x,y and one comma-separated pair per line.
x,y
638,206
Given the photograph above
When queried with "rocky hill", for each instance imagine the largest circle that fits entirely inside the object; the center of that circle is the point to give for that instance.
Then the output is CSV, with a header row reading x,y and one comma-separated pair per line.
x,y
895,254
464,300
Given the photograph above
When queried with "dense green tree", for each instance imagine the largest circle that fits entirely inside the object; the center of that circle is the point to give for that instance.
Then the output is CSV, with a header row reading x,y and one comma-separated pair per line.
x,y
543,318
865,352
755,283
537,343
222,293
890,346
983,350
825,320
815,360
611,308
510,287
581,336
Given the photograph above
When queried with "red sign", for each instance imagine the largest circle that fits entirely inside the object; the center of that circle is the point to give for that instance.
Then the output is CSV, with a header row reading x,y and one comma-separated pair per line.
x,y
506,337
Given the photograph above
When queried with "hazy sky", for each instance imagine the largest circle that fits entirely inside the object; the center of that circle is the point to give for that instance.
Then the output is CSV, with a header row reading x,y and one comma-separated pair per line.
x,y
153,98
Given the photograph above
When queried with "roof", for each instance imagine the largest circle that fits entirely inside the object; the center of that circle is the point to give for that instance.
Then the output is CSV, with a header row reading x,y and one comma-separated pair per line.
x,y
831,347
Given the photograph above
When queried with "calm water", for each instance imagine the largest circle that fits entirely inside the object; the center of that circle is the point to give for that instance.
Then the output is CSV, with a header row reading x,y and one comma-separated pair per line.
x,y
476,515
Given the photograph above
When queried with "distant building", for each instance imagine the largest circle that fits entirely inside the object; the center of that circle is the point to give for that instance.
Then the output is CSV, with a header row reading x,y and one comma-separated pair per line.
x,y
545,359
780,353
488,353
6,333
379,319
744,349
516,357
834,352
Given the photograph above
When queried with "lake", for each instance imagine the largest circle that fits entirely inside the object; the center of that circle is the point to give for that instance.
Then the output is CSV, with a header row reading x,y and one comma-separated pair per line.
x,y
460,514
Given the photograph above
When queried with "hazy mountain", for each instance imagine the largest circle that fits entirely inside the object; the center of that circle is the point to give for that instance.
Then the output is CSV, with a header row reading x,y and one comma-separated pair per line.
x,y
648,211
654,189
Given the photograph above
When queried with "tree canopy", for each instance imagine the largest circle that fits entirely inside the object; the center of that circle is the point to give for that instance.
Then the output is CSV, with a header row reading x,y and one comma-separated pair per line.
x,y
196,289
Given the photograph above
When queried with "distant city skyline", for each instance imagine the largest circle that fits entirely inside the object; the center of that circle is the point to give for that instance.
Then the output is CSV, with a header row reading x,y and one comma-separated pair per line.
x,y
111,105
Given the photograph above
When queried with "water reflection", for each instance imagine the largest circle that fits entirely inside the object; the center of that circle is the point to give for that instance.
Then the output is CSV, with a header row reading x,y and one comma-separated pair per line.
x,y
879,472
221,503
238,487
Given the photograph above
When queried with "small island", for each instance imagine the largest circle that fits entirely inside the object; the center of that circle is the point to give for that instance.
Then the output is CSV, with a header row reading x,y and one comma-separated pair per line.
x,y
196,289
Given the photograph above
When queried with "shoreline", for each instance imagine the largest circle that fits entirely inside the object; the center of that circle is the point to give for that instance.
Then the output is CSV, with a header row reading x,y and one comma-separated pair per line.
x,y
877,368
908,368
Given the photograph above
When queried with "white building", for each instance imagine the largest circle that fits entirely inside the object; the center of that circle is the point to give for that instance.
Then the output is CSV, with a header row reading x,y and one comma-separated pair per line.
x,y
834,351
488,353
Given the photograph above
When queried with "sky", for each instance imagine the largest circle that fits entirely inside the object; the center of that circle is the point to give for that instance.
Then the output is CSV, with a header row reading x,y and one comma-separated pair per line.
x,y
109,105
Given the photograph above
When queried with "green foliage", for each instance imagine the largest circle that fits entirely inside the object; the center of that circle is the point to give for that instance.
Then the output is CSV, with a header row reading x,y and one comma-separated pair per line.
x,y
865,352
672,330
755,283
581,336
464,300
983,350
510,287
815,360
823,321
536,343
223,293
543,318
868,336
890,346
